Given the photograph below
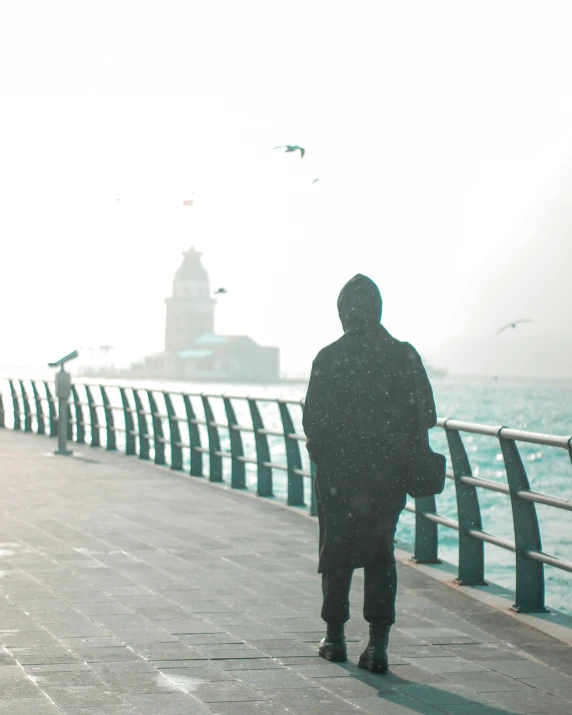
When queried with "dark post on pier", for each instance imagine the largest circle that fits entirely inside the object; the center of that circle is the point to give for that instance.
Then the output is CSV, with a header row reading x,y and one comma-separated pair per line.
x,y
63,393
174,571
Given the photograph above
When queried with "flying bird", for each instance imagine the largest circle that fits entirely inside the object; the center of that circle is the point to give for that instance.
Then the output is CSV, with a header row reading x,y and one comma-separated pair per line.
x,y
315,180
221,291
512,325
292,147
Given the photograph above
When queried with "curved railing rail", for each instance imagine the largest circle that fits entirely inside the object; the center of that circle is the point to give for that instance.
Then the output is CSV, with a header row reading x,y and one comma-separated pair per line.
x,y
249,442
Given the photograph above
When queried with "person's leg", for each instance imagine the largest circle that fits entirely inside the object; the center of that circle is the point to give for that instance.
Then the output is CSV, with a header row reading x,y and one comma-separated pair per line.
x,y
379,610
335,611
380,592
336,595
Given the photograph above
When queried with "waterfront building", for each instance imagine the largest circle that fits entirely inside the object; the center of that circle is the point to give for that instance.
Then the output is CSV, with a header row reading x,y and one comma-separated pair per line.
x,y
193,350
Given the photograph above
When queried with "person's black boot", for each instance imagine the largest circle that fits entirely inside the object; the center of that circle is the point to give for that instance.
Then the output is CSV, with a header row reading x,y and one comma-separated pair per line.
x,y
333,646
374,657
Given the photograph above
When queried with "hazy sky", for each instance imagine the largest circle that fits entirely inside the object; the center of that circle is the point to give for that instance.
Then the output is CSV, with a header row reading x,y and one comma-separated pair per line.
x,y
440,132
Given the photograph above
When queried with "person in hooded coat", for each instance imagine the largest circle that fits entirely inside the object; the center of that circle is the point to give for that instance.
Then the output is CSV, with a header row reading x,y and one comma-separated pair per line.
x,y
369,402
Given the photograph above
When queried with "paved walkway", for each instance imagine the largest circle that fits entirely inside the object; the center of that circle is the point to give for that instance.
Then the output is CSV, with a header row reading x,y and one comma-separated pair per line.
x,y
125,588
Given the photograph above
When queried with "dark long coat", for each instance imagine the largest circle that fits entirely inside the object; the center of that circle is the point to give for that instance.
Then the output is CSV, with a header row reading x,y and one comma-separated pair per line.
x,y
368,400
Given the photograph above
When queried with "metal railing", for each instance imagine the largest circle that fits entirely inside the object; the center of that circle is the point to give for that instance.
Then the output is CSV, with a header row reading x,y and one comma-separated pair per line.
x,y
131,421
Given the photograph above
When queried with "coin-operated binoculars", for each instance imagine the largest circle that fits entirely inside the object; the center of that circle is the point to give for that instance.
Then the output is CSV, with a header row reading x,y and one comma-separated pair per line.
x,y
63,392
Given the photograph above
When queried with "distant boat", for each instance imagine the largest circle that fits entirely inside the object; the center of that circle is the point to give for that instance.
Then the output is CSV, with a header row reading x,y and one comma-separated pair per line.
x,y
433,371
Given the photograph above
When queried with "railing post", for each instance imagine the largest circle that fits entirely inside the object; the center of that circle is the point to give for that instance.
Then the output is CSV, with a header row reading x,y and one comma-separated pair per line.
x,y
93,418
69,421
52,414
215,460
471,551
313,505
529,573
15,406
110,439
27,410
264,474
142,426
175,433
426,534
79,421
238,473
158,436
130,442
293,458
40,424
2,413
196,456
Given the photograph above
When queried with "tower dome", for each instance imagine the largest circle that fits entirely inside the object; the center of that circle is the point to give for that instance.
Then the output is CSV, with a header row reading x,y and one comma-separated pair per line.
x,y
191,269
190,309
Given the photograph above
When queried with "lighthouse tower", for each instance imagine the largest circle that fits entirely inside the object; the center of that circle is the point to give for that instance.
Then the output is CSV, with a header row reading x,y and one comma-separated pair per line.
x,y
190,310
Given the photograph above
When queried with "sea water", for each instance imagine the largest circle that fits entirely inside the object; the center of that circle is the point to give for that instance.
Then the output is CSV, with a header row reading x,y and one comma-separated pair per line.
x,y
532,405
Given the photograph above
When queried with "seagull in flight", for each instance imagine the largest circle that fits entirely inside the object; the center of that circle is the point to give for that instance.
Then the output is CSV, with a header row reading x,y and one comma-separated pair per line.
x,y
221,291
513,325
292,147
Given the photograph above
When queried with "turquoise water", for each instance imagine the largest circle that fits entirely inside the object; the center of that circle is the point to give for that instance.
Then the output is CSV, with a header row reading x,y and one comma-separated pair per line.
x,y
539,406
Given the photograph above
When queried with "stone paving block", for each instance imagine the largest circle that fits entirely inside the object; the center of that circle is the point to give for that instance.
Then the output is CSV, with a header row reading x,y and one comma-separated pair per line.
x,y
168,651
230,619
327,670
112,621
426,651
403,674
280,648
44,604
366,686
70,677
43,655
307,700
172,613
28,638
19,688
401,704
530,701
29,706
521,668
107,608
209,638
224,651
56,667
138,681
261,632
221,691
6,659
144,635
484,682
105,710
452,664
250,664
83,696
448,694
206,671
168,704
92,642
106,655
486,651
274,678
559,686
88,596
260,707
12,671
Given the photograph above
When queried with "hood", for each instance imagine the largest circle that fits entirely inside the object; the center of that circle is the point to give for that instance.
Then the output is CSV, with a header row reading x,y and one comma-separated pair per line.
x,y
359,303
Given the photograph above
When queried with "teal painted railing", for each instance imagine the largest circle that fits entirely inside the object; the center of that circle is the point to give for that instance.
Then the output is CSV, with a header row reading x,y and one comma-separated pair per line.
x,y
246,441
